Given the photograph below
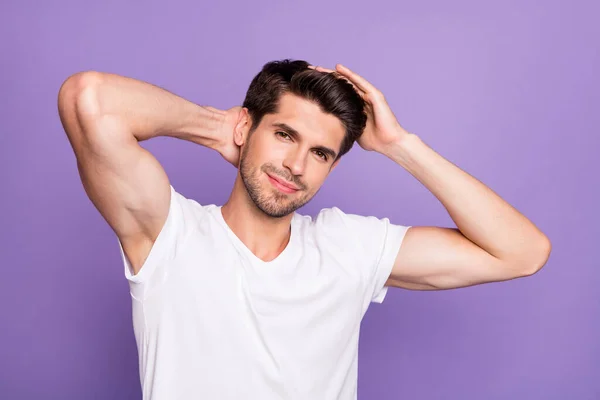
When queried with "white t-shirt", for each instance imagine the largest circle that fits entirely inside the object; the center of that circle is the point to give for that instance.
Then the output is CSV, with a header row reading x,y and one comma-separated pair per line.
x,y
213,321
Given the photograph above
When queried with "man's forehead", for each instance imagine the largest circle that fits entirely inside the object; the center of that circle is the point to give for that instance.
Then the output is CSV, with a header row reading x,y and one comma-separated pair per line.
x,y
306,117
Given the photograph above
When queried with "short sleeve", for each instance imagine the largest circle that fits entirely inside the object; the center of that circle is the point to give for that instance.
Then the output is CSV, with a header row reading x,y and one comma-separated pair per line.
x,y
392,237
376,242
155,268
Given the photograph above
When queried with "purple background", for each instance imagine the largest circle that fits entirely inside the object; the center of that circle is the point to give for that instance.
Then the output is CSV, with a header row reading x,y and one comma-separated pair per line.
x,y
507,91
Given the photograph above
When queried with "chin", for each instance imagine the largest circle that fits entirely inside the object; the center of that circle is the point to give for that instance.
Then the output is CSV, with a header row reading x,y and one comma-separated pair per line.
x,y
267,197
275,210
278,205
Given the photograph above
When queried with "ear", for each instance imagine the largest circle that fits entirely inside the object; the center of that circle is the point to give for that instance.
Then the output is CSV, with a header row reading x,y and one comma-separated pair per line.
x,y
242,127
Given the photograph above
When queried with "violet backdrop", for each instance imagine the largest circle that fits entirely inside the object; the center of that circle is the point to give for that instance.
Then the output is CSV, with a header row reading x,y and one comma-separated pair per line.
x,y
507,90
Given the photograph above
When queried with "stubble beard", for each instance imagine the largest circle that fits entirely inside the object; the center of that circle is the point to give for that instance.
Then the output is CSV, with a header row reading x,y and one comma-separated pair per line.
x,y
269,201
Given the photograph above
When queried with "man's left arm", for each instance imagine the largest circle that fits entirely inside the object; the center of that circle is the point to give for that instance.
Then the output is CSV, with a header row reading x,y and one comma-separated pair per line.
x,y
493,242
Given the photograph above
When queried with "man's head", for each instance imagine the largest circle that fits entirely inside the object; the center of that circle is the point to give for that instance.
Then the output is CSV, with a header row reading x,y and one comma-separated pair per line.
x,y
296,124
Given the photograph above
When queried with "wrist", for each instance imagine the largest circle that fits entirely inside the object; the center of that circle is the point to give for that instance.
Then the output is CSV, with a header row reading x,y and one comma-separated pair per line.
x,y
402,150
204,126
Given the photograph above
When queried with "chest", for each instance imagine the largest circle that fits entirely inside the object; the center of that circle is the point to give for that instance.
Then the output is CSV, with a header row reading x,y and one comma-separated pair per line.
x,y
312,290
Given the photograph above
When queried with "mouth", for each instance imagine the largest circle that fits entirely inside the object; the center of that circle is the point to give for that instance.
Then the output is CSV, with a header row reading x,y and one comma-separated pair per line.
x,y
282,185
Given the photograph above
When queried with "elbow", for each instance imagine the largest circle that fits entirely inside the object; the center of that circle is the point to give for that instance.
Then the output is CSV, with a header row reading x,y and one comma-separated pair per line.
x,y
78,93
79,106
538,257
78,82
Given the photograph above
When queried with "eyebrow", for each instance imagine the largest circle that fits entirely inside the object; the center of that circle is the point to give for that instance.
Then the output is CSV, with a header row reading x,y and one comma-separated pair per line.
x,y
296,135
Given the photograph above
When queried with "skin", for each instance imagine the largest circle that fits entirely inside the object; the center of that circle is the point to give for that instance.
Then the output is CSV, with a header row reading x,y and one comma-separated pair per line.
x,y
492,240
257,211
105,116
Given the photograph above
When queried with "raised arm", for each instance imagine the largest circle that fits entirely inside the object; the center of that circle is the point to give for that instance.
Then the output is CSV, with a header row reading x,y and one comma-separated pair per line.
x,y
492,240
105,116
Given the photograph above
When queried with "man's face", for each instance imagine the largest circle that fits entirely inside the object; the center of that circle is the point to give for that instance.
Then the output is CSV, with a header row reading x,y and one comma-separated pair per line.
x,y
286,159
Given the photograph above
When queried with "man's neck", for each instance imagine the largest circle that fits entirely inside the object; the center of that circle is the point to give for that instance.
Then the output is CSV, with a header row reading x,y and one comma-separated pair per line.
x,y
264,236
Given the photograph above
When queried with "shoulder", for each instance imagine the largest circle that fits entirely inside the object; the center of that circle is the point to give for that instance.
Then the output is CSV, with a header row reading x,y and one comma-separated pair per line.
x,y
336,221
335,216
354,229
186,212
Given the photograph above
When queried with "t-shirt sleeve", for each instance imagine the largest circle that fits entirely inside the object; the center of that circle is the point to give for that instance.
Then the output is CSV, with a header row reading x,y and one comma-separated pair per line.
x,y
374,243
155,268
392,236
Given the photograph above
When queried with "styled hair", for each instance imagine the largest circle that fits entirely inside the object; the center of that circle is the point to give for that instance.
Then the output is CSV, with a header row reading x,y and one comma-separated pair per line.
x,y
332,93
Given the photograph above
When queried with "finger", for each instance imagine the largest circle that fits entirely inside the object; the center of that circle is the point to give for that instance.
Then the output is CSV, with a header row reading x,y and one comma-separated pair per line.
x,y
357,89
355,78
340,75
321,69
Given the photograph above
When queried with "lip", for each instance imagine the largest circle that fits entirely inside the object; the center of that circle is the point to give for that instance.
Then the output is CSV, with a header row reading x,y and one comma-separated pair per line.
x,y
282,185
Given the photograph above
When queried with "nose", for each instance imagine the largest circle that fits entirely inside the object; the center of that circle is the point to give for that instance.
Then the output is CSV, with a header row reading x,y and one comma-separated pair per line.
x,y
295,161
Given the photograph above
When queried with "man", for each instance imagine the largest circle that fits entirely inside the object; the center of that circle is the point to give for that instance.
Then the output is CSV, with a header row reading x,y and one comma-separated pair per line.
x,y
251,300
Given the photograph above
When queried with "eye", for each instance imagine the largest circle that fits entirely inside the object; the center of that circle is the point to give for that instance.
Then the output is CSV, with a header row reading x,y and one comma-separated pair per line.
x,y
321,155
283,135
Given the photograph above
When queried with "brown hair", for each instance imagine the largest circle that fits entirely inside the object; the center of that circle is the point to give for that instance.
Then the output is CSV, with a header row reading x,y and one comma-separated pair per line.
x,y
333,94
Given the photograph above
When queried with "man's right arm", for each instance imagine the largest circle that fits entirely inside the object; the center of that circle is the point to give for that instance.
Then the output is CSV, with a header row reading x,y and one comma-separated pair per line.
x,y
105,116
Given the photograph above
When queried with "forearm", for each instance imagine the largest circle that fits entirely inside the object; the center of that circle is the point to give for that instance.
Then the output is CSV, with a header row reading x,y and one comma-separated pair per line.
x,y
479,213
146,110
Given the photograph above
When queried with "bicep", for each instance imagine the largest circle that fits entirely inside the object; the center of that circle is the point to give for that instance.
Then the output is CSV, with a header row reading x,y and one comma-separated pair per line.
x,y
435,258
124,181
